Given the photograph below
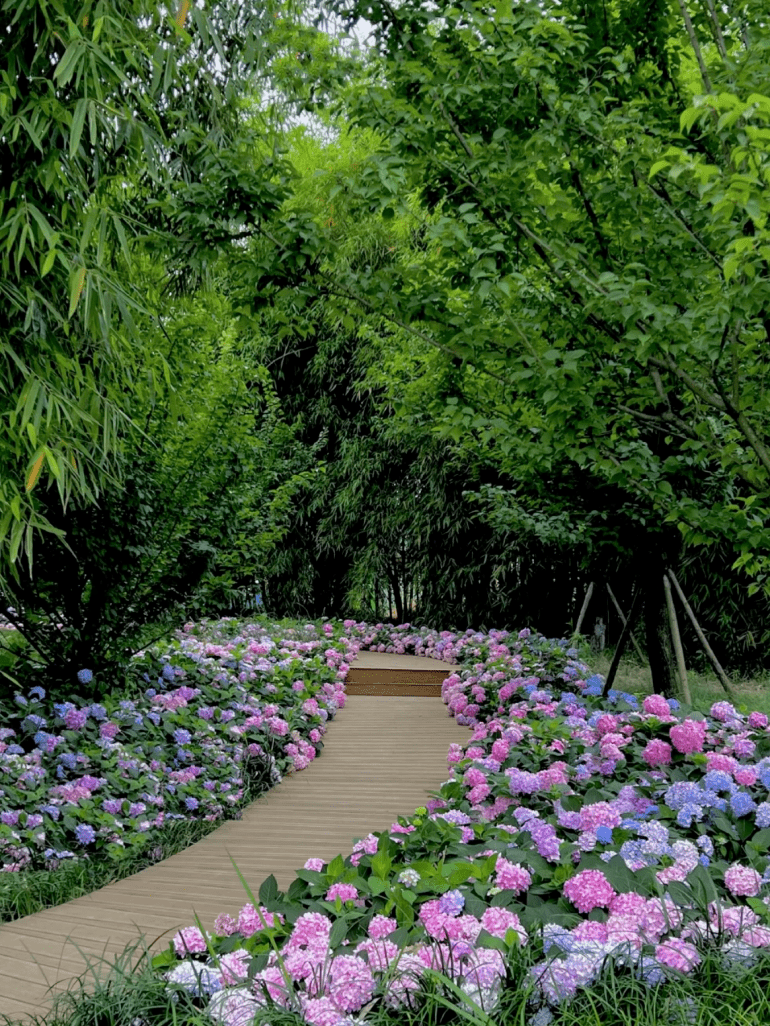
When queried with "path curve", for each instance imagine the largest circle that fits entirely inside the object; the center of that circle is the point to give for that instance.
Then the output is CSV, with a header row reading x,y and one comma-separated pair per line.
x,y
381,757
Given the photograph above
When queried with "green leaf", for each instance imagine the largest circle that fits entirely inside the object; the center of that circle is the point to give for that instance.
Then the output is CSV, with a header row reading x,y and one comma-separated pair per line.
x,y
338,933
380,864
268,890
48,262
76,129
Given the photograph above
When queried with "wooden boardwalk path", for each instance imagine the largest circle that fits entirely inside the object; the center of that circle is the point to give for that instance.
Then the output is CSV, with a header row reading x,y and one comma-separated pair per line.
x,y
381,757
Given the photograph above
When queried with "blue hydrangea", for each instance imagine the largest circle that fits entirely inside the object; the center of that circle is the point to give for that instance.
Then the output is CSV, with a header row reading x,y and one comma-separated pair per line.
x,y
68,759
37,692
604,834
167,672
557,936
85,676
705,844
629,699
673,704
182,737
718,780
452,903
151,692
742,804
33,722
20,700
191,803
85,833
98,711
52,810
704,860
688,813
682,793
763,815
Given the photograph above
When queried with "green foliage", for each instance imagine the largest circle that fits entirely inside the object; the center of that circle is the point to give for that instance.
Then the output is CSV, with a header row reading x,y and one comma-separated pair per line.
x,y
591,311
113,120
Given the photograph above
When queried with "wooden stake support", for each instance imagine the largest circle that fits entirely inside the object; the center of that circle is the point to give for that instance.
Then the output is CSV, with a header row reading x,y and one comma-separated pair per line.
x,y
676,638
584,609
634,642
636,605
723,678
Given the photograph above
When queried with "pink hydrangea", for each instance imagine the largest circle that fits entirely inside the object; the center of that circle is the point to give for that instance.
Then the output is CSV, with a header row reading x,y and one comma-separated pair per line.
x,y
343,891
688,736
320,1011
315,864
234,967
225,925
312,928
720,761
250,921
588,890
474,776
742,880
351,983
757,720
659,916
599,814
657,753
656,705
189,941
606,724
498,921
628,904
511,877
678,954
381,926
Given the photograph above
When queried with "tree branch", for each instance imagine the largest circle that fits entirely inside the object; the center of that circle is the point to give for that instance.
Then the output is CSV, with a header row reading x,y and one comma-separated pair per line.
x,y
696,47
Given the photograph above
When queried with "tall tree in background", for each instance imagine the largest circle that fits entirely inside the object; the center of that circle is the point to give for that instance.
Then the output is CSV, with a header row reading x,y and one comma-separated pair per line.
x,y
593,212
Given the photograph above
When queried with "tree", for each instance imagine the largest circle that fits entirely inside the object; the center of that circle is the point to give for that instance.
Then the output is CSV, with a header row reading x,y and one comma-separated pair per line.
x,y
112,119
593,208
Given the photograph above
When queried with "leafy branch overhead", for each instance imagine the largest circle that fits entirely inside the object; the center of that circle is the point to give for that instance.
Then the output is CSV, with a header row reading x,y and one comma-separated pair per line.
x,y
591,197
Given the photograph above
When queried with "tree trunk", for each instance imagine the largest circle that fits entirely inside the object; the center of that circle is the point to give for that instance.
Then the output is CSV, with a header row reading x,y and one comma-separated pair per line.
x,y
660,650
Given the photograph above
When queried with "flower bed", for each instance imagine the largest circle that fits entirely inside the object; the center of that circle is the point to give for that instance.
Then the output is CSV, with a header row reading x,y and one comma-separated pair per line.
x,y
589,831
224,704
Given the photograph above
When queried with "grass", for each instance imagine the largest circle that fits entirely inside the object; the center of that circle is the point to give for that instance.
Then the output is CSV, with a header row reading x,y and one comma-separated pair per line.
x,y
30,891
705,688
128,992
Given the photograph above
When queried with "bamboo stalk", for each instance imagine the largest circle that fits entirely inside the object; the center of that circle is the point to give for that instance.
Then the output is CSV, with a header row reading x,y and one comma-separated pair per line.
x,y
615,602
676,638
633,612
723,678
584,608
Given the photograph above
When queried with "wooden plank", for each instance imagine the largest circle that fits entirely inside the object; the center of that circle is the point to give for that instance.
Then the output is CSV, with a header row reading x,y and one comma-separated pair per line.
x,y
380,761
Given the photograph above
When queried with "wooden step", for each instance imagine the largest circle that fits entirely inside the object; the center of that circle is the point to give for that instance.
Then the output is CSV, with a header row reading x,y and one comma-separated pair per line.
x,y
385,681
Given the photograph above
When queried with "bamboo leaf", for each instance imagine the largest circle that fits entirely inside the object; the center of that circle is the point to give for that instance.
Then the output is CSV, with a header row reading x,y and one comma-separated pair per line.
x,y
34,473
76,287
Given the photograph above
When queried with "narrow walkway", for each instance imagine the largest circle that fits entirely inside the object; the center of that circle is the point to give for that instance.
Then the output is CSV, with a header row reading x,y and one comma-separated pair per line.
x,y
381,757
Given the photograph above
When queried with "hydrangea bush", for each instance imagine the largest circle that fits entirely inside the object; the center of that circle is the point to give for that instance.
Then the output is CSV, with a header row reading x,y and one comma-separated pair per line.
x,y
222,704
578,830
